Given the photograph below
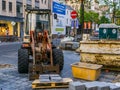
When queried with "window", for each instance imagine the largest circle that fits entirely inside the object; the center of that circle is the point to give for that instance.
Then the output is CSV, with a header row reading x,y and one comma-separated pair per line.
x,y
37,1
67,21
10,6
29,6
42,1
36,7
3,5
19,7
45,1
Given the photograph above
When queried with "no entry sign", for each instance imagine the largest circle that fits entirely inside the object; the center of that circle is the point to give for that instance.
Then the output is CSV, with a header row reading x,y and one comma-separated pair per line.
x,y
73,14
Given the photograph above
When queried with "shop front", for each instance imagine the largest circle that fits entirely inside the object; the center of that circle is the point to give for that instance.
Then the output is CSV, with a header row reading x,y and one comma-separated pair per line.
x,y
10,27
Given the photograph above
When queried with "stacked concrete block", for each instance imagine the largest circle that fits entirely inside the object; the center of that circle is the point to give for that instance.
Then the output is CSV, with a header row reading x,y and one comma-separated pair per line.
x,y
44,78
56,78
99,85
90,86
76,86
50,77
96,85
113,86
75,45
62,45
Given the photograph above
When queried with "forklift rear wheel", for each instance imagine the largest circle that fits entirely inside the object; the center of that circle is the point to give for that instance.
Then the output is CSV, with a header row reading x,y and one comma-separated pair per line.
x,y
58,58
23,61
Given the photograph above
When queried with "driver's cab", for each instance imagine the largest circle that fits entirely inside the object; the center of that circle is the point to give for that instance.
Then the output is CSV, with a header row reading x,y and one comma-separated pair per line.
x,y
36,20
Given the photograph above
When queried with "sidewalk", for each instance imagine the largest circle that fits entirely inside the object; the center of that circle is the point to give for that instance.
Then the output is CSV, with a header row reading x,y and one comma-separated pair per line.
x,y
9,43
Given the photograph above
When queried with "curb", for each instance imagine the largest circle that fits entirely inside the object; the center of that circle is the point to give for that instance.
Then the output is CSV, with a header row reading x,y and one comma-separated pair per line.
x,y
9,43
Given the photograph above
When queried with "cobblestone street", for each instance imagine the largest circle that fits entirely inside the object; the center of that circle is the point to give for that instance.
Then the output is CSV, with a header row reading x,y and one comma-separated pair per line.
x,y
10,79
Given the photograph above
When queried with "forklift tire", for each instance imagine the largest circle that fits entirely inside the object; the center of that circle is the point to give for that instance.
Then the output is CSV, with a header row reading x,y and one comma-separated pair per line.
x,y
23,61
58,58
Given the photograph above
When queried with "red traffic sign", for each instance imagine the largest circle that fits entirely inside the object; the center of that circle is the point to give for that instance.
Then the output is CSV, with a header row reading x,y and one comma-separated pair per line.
x,y
73,14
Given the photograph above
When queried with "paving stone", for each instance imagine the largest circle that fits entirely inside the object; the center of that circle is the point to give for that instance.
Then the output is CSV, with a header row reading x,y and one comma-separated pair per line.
x,y
17,78
101,86
76,86
11,77
112,86
6,84
8,88
90,86
23,80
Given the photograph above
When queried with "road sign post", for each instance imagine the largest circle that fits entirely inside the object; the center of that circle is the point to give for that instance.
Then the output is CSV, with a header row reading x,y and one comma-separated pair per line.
x,y
74,22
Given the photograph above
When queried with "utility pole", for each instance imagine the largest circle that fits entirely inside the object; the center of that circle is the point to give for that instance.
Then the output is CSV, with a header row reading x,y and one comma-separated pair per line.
x,y
82,17
114,10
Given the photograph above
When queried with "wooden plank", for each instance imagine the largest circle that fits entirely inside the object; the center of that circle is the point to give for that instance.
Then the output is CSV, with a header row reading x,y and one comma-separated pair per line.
x,y
43,85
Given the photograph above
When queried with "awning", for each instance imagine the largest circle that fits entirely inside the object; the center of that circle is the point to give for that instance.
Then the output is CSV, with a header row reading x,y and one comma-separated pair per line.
x,y
8,18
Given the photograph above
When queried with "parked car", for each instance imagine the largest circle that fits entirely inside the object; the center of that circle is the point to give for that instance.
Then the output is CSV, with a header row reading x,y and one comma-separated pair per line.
x,y
96,33
67,39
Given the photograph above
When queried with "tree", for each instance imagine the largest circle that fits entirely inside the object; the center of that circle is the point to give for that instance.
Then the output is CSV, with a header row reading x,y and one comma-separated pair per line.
x,y
103,19
89,16
81,12
117,16
112,6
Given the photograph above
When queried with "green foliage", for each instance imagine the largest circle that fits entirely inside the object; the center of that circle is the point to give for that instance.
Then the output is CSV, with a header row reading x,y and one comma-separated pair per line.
x,y
111,3
94,16
97,1
103,19
117,12
78,1
89,16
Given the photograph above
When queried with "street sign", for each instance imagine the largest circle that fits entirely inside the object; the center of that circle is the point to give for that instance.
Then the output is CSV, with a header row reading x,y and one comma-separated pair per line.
x,y
73,14
75,24
58,8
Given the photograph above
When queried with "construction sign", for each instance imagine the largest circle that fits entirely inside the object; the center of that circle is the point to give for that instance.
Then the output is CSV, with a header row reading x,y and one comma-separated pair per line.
x,y
87,25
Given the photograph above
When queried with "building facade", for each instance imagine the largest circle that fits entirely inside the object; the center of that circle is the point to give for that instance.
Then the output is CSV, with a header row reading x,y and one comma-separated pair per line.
x,y
75,5
12,13
68,19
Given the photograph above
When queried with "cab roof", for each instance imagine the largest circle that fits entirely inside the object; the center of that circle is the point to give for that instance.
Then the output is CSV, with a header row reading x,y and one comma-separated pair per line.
x,y
108,26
